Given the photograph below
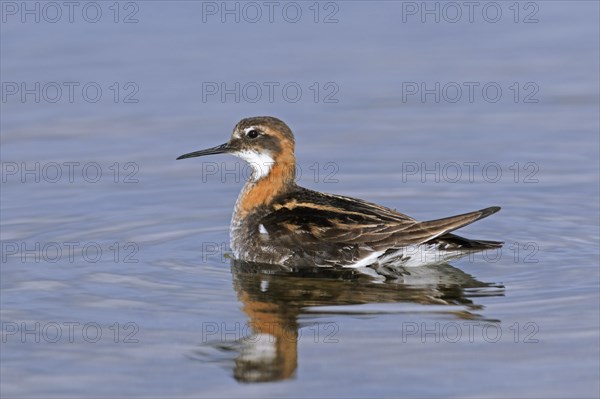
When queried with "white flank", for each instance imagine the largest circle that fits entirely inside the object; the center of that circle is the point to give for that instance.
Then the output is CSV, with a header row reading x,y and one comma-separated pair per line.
x,y
411,256
428,254
368,260
260,162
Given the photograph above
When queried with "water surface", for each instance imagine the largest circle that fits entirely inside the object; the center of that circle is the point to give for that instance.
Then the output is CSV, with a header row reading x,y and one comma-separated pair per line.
x,y
178,319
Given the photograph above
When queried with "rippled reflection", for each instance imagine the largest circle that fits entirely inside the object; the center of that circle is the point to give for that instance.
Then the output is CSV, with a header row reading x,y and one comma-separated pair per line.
x,y
273,298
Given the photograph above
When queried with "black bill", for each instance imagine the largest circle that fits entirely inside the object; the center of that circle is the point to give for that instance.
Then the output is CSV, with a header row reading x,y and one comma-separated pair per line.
x,y
220,149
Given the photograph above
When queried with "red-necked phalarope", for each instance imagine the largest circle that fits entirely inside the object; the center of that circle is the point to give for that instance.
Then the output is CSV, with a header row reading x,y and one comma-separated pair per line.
x,y
277,221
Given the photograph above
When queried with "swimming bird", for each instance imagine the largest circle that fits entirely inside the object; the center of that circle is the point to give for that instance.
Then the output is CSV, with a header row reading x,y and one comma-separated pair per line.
x,y
278,222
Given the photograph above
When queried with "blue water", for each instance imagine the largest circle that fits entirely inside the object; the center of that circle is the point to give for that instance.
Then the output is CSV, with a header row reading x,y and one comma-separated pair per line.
x,y
138,254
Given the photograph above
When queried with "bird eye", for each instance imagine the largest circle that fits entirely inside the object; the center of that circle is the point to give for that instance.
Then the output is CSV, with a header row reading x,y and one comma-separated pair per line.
x,y
252,134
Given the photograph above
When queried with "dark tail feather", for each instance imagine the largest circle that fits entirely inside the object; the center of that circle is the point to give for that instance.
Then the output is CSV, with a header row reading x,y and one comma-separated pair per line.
x,y
432,229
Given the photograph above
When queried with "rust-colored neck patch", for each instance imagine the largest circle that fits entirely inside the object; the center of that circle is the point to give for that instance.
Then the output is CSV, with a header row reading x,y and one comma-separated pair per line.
x,y
281,178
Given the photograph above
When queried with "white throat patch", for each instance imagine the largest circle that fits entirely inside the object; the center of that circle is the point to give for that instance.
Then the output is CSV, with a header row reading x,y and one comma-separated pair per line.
x,y
260,163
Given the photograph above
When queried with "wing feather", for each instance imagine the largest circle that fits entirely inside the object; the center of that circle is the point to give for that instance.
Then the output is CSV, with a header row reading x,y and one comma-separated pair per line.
x,y
321,224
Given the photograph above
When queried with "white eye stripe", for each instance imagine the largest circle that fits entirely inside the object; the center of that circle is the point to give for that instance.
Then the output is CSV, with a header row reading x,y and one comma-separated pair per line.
x,y
244,132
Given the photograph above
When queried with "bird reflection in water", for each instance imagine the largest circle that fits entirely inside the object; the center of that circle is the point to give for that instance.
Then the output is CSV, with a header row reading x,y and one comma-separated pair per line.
x,y
273,298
